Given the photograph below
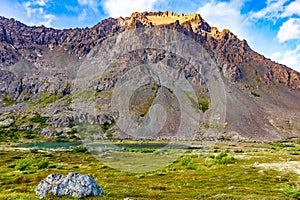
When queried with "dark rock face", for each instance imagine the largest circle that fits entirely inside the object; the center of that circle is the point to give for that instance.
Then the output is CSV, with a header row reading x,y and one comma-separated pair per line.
x,y
38,66
75,185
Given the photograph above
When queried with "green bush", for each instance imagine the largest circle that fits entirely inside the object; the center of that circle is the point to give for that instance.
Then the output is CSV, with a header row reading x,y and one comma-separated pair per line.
x,y
203,104
238,151
255,94
291,191
80,149
186,160
104,127
223,158
43,164
24,164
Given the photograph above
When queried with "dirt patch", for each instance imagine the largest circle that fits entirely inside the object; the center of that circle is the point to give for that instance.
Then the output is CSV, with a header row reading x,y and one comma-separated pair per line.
x,y
291,166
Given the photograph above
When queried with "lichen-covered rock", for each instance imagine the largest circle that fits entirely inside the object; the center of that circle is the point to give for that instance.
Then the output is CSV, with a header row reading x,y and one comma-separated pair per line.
x,y
75,185
6,122
46,132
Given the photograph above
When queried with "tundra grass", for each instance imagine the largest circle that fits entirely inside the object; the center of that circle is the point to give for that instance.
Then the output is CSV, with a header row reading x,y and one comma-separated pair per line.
x,y
191,176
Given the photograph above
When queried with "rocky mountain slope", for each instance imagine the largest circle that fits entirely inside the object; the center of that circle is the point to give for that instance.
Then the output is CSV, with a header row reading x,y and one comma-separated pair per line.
x,y
39,71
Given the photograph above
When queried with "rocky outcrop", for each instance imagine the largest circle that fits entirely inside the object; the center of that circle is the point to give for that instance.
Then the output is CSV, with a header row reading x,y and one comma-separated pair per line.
x,y
75,185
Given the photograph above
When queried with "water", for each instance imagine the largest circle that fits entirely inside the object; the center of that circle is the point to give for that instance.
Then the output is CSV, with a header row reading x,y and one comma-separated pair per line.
x,y
52,145
70,145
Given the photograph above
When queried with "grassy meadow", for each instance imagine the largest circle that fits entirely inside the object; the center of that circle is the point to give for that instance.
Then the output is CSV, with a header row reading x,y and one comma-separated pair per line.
x,y
225,170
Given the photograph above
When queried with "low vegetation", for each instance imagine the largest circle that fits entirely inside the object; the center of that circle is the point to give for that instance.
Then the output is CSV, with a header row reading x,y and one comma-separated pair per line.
x,y
37,118
6,101
291,191
255,94
203,104
220,171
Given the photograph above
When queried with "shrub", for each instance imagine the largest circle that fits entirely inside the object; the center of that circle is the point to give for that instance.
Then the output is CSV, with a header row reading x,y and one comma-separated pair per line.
x,y
255,94
203,104
104,127
24,164
80,149
223,158
186,160
291,191
238,151
43,164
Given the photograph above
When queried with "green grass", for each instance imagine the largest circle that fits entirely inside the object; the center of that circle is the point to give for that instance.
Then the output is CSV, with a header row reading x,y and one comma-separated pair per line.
x,y
47,99
7,101
291,191
37,118
188,177
24,164
43,164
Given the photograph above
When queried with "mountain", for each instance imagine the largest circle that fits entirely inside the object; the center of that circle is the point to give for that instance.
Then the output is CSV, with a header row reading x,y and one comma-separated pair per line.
x,y
53,84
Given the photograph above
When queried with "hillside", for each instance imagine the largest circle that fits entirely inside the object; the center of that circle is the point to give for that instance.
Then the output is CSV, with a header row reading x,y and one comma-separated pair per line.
x,y
53,84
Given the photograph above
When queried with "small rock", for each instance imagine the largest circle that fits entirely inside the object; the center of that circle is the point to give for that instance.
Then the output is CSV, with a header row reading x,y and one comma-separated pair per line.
x,y
261,172
231,187
7,122
289,159
75,185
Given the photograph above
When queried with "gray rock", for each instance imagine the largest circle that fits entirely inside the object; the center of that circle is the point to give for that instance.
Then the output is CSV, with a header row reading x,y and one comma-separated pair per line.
x,y
75,185
61,120
46,132
46,185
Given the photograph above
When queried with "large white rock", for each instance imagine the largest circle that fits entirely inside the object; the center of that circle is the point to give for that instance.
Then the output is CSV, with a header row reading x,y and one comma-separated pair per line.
x,y
75,185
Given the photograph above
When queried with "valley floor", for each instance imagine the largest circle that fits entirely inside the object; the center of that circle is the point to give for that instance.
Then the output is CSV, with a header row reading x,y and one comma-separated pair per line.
x,y
224,171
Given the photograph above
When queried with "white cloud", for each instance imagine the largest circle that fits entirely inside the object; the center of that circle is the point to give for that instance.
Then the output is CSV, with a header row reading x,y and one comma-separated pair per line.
x,y
48,20
30,10
225,15
117,8
83,15
291,9
40,17
289,30
41,2
276,9
273,10
93,4
290,58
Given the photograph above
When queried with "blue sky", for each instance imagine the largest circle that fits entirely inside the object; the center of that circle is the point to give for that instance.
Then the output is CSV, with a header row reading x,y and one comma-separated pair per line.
x,y
271,27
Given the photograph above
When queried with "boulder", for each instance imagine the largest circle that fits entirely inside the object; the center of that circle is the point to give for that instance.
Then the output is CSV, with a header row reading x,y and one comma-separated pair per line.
x,y
75,185
46,132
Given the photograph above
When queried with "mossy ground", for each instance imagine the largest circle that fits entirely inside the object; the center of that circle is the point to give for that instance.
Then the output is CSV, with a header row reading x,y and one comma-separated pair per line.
x,y
193,176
